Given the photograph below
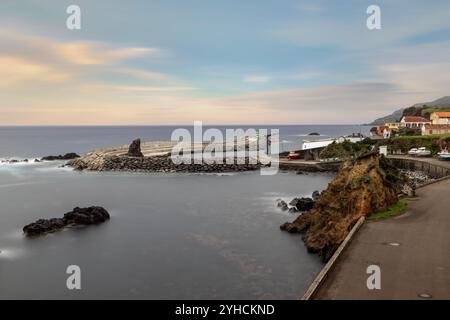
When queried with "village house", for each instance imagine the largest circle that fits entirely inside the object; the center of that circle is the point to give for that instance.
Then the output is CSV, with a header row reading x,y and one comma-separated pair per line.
x,y
414,122
428,129
440,117
381,131
393,125
387,133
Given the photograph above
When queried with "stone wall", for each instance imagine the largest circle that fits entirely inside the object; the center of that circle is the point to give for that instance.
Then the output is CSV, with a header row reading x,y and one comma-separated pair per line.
x,y
433,170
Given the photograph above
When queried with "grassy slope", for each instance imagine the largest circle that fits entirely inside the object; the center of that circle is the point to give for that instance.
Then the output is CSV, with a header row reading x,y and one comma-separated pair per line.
x,y
394,210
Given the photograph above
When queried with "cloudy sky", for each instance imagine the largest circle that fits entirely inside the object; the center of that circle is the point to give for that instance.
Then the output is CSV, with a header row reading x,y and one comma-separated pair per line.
x,y
221,62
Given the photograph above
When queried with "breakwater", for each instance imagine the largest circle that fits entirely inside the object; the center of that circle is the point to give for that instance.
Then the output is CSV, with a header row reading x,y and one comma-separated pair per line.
x,y
159,163
157,157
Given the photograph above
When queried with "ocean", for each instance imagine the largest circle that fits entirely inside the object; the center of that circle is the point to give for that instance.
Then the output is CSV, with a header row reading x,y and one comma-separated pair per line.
x,y
171,236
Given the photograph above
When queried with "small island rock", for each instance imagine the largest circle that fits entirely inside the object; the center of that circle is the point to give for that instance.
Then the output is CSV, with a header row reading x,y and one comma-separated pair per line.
x,y
76,217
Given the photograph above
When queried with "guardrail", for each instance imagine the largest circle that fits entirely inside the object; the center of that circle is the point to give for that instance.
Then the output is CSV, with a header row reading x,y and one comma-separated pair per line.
x,y
315,285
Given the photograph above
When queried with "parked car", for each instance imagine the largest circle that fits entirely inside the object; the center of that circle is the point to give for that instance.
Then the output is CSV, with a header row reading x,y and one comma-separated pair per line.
x,y
294,156
419,152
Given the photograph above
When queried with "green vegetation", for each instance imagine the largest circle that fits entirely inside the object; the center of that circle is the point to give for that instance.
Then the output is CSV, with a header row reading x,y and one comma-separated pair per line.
x,y
428,111
408,132
392,175
345,150
394,210
431,142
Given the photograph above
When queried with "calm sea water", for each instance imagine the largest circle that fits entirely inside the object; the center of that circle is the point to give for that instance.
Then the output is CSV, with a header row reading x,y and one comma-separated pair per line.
x,y
172,236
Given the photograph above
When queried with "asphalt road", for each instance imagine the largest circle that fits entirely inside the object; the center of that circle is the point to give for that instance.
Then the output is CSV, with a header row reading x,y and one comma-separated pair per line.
x,y
412,251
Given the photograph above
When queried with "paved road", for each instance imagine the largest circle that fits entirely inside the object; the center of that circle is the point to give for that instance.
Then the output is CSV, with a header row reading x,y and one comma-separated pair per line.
x,y
419,264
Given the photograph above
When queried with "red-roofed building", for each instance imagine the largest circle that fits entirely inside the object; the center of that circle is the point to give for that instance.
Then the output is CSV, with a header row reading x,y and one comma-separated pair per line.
x,y
414,122
440,117
435,129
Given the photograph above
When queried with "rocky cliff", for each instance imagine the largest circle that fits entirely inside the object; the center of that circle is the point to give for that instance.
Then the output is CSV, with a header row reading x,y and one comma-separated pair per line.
x,y
361,187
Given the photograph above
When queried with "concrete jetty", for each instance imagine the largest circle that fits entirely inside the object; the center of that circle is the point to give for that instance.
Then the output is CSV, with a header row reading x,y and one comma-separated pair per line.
x,y
167,156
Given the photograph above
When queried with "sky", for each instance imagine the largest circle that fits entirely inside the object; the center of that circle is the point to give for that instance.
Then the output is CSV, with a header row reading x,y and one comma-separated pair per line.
x,y
148,62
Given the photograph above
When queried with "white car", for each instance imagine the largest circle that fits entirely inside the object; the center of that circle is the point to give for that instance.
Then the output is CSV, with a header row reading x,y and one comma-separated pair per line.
x,y
444,155
420,152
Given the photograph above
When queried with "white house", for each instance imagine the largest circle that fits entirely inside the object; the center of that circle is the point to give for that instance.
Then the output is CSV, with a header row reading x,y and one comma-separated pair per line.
x,y
414,122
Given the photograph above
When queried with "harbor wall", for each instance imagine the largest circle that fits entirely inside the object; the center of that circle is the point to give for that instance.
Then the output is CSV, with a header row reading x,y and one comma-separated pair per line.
x,y
434,169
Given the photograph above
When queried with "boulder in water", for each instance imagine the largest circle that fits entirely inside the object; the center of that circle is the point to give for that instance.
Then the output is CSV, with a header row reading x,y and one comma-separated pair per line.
x,y
67,156
303,204
76,217
316,195
282,204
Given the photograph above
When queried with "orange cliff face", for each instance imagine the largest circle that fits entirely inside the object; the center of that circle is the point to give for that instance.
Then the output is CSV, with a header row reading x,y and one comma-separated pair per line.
x,y
362,187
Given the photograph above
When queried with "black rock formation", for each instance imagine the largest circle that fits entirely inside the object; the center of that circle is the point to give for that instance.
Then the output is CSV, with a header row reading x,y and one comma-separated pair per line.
x,y
76,217
135,149
282,204
316,195
67,156
303,204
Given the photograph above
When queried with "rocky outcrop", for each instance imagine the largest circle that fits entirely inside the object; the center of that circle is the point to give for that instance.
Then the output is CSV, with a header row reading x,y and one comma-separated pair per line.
x,y
362,186
67,156
135,149
316,196
282,205
302,204
76,217
299,204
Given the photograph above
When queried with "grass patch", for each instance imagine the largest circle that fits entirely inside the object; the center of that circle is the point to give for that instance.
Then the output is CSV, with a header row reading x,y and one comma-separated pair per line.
x,y
427,137
394,210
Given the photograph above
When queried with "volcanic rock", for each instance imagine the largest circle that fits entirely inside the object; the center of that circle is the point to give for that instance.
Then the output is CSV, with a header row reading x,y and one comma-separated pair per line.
x,y
67,156
316,195
282,204
76,217
303,204
135,149
362,187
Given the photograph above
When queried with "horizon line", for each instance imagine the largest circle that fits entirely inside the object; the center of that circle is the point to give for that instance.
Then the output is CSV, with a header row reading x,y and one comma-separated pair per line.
x,y
173,125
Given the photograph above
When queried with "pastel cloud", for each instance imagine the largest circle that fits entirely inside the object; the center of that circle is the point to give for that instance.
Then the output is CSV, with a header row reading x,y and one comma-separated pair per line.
x,y
360,75
15,70
397,85
90,53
